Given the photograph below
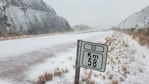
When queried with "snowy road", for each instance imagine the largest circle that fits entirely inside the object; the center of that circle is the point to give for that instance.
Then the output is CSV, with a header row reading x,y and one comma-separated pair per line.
x,y
16,47
18,55
23,61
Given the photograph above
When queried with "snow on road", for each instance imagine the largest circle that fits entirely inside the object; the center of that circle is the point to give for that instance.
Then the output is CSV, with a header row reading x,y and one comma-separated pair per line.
x,y
28,60
18,55
17,47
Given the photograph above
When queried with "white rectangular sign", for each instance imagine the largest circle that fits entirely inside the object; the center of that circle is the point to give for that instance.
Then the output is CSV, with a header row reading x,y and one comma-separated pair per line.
x,y
92,55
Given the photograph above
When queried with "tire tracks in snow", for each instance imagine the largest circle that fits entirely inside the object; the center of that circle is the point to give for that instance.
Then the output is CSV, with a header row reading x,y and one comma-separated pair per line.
x,y
14,67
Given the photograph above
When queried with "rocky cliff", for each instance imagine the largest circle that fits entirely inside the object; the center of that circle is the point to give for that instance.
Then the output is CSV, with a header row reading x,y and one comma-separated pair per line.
x,y
139,19
30,17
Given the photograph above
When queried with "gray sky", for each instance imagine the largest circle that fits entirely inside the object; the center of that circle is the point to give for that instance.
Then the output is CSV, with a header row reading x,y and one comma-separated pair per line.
x,y
102,13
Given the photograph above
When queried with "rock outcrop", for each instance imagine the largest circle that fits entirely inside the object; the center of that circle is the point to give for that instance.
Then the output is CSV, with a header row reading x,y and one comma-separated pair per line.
x,y
30,17
139,19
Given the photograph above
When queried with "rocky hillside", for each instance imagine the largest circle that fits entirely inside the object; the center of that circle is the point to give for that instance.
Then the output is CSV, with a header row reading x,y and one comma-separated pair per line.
x,y
139,19
30,17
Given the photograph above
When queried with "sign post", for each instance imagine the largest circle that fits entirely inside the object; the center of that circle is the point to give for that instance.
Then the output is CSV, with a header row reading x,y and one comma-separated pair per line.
x,y
91,56
77,72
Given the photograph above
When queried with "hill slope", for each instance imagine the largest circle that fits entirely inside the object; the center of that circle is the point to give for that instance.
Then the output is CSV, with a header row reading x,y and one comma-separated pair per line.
x,y
137,20
30,17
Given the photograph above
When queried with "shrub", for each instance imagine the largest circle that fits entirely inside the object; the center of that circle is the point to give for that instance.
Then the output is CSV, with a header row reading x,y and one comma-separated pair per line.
x,y
58,73
16,34
142,34
143,31
110,76
3,34
45,77
114,81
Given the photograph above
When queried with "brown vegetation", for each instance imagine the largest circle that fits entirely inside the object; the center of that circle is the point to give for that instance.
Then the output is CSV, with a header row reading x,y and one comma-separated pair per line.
x,y
114,81
3,34
143,38
44,78
49,76
110,76
87,78
142,34
8,36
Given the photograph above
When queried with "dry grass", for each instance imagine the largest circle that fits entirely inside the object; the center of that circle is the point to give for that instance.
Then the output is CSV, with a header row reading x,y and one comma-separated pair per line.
x,y
3,34
143,39
65,71
45,77
87,78
125,70
9,36
19,35
115,81
110,76
59,72
49,76
90,82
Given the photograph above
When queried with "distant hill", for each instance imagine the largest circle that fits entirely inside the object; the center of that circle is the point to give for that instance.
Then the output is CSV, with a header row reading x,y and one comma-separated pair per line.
x,y
81,27
30,17
137,20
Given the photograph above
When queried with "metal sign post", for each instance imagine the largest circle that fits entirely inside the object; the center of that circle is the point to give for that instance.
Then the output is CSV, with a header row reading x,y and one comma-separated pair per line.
x,y
77,72
77,75
91,56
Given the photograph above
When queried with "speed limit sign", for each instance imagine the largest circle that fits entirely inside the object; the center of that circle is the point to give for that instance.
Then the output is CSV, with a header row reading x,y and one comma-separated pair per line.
x,y
91,56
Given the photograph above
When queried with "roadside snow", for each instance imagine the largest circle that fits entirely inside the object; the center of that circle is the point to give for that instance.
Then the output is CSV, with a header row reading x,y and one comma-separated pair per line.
x,y
64,60
127,64
127,60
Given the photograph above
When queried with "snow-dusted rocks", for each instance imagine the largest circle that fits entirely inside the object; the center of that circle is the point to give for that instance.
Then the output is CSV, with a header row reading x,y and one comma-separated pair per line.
x,y
137,20
30,17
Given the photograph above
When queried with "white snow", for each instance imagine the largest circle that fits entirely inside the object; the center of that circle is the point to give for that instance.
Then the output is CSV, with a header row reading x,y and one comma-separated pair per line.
x,y
127,61
127,64
21,46
5,81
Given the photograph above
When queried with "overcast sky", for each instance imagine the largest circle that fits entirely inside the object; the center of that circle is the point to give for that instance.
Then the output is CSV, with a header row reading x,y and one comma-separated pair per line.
x,y
102,13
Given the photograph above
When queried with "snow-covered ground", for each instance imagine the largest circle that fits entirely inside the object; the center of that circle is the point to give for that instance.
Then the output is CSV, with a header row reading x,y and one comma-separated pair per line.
x,y
127,61
127,64
18,55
